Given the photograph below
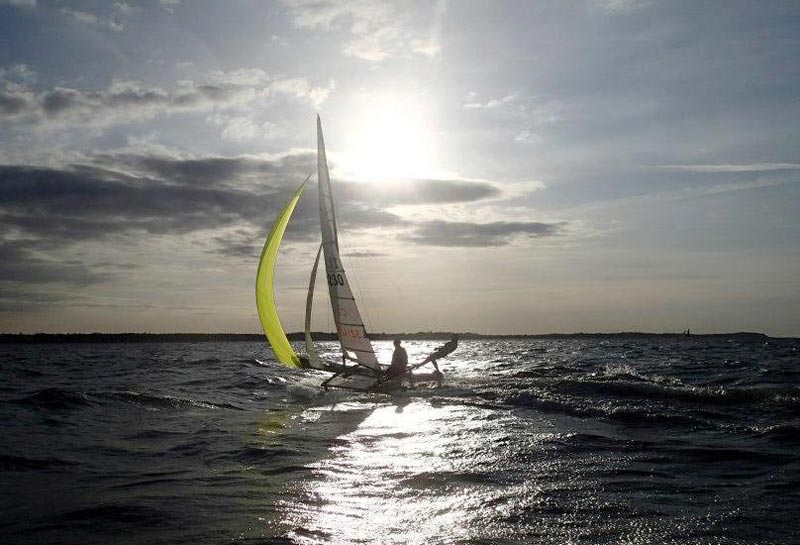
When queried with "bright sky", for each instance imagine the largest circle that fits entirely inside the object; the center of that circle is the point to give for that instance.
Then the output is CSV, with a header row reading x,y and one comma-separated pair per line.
x,y
498,167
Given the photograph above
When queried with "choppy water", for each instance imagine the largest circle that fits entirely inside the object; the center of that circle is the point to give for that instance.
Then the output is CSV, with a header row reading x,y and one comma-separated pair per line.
x,y
543,441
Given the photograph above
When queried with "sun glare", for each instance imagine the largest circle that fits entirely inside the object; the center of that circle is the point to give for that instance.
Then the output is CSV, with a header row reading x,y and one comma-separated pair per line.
x,y
391,138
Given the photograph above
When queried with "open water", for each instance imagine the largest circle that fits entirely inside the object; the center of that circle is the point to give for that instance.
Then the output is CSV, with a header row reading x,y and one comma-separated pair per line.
x,y
648,441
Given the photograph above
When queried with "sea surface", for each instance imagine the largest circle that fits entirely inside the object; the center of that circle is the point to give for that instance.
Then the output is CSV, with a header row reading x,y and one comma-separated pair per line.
x,y
557,441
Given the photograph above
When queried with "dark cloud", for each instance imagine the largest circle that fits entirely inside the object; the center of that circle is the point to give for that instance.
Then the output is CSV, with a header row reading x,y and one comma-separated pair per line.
x,y
304,226
419,192
499,233
129,101
12,104
81,203
237,249
113,194
120,102
286,170
29,280
24,300
124,195
241,243
19,263
448,191
59,101
206,171
358,216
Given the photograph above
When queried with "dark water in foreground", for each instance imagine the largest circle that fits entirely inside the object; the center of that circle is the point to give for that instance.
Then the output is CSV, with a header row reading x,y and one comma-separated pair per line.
x,y
543,441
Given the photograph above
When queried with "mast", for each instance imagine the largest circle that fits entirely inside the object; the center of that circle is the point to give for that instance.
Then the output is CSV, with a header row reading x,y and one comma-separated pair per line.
x,y
313,356
349,325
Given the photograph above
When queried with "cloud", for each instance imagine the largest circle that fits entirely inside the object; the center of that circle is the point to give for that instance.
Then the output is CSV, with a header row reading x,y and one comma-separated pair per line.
x,y
108,196
301,89
20,3
490,104
113,20
115,194
28,278
467,234
89,203
754,167
377,30
420,191
241,128
170,5
125,197
240,76
14,103
201,171
298,88
527,136
18,75
526,117
21,298
127,101
620,6
19,263
121,102
257,173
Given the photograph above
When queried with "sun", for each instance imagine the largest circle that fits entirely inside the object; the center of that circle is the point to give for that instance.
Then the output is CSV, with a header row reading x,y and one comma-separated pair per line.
x,y
390,138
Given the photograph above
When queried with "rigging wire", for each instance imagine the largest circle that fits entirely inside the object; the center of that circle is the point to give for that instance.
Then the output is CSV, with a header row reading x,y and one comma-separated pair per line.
x,y
357,283
407,301
369,300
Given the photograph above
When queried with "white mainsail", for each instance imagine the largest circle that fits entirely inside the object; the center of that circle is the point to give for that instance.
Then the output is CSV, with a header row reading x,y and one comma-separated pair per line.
x,y
349,325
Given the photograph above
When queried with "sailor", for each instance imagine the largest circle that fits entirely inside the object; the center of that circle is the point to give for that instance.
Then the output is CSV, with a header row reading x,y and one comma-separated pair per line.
x,y
399,361
444,350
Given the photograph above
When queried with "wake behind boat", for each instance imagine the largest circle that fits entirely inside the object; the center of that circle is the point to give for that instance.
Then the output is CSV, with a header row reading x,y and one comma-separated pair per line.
x,y
359,368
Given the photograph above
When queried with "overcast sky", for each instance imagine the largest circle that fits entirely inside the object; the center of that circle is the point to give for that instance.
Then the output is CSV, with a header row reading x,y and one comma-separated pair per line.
x,y
498,167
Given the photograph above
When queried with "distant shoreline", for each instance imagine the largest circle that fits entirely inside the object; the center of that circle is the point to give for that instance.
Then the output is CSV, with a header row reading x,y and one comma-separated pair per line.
x,y
46,338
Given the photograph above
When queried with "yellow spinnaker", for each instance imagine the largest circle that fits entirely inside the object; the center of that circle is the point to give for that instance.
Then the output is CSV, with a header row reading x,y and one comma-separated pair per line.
x,y
265,294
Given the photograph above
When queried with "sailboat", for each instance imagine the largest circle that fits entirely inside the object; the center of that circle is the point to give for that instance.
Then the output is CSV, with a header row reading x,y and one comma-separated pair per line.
x,y
359,368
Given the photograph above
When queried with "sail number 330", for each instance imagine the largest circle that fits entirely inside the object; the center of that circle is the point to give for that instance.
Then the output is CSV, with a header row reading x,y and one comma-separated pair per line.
x,y
335,279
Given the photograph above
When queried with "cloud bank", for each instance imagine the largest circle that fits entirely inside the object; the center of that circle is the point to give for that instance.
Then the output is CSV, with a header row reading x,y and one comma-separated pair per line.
x,y
127,101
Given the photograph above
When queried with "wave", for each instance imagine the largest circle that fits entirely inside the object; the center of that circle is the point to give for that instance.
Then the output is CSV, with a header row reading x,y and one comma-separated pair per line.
x,y
256,455
156,402
590,409
56,399
203,361
268,383
450,478
628,386
713,455
122,514
787,432
10,462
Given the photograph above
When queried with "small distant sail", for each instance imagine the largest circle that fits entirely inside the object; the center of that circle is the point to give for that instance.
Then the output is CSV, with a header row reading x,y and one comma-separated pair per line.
x,y
313,356
265,294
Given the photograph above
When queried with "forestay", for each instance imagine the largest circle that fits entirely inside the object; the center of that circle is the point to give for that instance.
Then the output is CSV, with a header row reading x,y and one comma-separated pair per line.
x,y
349,325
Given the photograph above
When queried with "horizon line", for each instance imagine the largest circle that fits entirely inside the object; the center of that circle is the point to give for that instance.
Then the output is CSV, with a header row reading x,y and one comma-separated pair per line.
x,y
383,335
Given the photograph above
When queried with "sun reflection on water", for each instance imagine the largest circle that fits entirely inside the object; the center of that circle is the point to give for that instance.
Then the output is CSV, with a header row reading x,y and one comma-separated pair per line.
x,y
385,481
